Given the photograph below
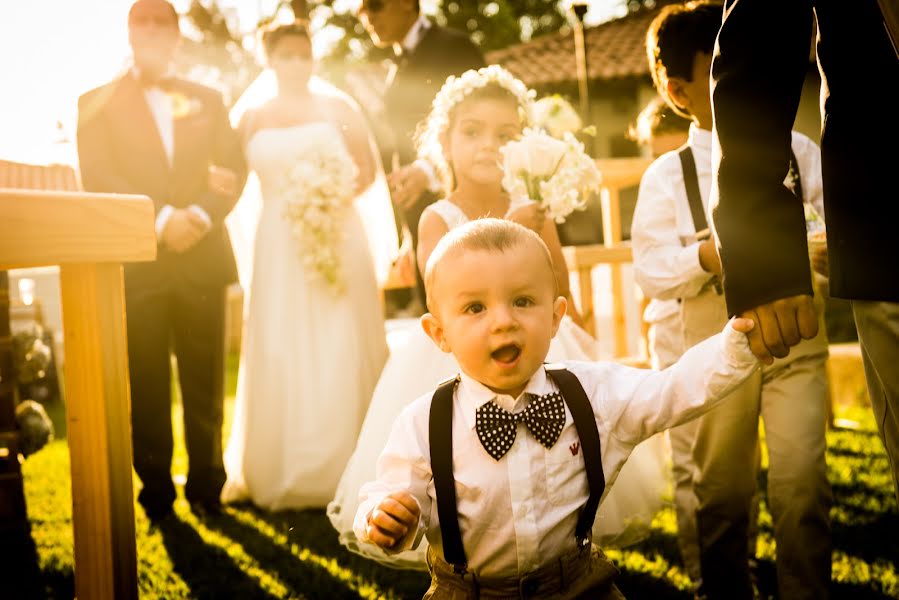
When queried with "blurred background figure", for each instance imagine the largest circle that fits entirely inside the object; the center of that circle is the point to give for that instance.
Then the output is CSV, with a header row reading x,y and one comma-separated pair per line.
x,y
147,132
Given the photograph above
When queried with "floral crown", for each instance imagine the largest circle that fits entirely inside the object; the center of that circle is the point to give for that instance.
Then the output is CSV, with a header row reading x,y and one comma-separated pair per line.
x,y
455,90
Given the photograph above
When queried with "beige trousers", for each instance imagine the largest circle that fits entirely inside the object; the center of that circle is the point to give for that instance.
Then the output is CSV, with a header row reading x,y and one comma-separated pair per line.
x,y
878,336
586,575
791,398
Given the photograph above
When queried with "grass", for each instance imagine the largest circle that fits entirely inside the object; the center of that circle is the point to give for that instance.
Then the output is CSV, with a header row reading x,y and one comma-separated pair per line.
x,y
247,553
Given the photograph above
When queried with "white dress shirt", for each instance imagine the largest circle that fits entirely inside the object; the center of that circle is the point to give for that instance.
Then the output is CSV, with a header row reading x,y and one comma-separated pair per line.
x,y
160,105
666,253
520,512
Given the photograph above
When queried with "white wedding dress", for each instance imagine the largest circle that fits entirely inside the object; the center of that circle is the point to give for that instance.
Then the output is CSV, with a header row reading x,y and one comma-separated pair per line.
x,y
310,358
416,366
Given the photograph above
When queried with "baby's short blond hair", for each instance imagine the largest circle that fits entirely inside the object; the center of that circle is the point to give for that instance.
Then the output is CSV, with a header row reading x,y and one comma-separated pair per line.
x,y
485,235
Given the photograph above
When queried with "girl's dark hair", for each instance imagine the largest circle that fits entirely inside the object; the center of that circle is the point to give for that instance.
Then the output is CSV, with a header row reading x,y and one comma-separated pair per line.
x,y
275,32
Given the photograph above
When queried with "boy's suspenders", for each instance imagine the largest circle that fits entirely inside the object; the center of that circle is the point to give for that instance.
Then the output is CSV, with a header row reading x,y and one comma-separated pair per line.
x,y
440,434
694,197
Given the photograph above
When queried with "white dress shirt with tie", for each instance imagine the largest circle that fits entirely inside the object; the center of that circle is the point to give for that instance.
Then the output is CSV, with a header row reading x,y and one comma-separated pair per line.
x,y
519,512
160,105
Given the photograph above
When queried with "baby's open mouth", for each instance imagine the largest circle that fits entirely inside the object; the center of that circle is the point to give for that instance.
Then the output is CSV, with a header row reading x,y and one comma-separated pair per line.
x,y
506,354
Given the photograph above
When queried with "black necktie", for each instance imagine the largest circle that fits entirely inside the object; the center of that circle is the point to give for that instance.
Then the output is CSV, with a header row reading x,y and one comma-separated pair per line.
x,y
496,427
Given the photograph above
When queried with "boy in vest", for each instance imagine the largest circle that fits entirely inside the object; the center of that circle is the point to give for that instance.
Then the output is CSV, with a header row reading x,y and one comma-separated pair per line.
x,y
503,467
716,457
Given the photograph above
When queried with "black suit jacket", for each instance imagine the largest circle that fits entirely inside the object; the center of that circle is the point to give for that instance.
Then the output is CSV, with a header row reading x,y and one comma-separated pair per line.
x,y
120,151
419,76
757,73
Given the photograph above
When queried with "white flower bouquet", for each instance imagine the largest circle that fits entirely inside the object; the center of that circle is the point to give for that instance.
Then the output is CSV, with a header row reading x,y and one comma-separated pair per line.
x,y
320,189
557,173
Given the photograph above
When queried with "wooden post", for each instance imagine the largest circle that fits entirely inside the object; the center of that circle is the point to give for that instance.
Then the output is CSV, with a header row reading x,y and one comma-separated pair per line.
x,y
89,236
98,417
611,236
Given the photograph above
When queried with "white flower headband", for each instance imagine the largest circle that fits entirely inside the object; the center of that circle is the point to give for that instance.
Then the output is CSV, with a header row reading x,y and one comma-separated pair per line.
x,y
454,91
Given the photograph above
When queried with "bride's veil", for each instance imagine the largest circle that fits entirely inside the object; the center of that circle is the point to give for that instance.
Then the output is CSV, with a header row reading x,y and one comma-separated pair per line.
x,y
373,204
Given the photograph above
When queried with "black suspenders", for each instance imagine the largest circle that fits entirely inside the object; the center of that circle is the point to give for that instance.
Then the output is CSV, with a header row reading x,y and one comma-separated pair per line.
x,y
694,197
440,434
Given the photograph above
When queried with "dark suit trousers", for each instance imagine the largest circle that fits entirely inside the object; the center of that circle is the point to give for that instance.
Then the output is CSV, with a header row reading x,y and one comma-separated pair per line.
x,y
188,319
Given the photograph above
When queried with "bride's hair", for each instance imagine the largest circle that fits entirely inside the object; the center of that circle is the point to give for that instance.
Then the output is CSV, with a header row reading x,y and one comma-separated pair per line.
x,y
492,82
274,32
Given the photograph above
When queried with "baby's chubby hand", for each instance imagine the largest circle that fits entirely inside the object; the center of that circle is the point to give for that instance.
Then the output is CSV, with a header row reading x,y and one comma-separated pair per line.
x,y
392,519
742,325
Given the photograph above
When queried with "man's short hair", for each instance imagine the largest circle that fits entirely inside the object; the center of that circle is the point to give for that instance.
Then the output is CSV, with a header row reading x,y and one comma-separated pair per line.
x,y
486,235
136,7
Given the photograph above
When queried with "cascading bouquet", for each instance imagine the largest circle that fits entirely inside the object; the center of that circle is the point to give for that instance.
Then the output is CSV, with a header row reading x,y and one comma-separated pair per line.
x,y
557,173
320,190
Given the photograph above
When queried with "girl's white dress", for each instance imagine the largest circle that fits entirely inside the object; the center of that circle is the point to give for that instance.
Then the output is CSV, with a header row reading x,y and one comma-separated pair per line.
x,y
416,366
310,358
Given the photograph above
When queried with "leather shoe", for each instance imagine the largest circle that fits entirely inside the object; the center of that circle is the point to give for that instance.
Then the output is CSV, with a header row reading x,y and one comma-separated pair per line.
x,y
206,508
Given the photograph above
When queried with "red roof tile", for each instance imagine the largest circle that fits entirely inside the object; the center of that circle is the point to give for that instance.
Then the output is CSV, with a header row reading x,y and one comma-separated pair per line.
x,y
615,49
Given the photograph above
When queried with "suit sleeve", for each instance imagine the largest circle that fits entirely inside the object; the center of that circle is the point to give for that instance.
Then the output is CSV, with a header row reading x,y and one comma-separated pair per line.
x,y
96,159
760,63
226,152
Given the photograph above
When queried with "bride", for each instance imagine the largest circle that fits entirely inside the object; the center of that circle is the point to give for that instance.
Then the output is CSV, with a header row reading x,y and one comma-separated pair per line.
x,y
313,343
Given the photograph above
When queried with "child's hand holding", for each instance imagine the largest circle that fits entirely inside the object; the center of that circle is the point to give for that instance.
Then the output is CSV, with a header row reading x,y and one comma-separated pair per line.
x,y
392,519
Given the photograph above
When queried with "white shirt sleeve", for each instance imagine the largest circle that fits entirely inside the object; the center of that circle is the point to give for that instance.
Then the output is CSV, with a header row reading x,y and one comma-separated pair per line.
x,y
808,155
165,213
633,404
663,267
404,465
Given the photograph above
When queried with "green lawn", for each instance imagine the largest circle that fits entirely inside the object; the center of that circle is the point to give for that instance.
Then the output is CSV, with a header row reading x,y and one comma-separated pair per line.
x,y
247,553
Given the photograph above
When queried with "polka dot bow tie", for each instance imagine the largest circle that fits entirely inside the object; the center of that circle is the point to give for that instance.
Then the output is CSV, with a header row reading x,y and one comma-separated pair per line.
x,y
496,427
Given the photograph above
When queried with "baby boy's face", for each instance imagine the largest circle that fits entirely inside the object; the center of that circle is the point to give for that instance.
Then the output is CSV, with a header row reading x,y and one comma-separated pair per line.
x,y
497,313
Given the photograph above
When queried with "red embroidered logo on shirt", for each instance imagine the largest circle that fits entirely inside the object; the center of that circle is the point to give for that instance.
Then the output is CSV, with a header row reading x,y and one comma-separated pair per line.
x,y
574,448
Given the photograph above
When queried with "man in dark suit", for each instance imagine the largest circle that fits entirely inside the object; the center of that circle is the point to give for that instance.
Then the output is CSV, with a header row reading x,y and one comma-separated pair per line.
x,y
148,133
757,75
426,55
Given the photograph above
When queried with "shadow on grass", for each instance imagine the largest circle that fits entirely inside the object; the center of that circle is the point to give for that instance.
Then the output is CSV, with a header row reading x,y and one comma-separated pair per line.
x,y
207,570
20,571
310,530
298,571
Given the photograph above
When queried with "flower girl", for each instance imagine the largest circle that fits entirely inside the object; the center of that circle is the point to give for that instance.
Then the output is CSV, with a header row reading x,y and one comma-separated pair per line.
x,y
472,118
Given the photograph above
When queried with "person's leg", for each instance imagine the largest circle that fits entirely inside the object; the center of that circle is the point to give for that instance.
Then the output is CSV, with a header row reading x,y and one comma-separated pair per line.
x,y
683,469
878,336
148,321
725,456
794,409
199,347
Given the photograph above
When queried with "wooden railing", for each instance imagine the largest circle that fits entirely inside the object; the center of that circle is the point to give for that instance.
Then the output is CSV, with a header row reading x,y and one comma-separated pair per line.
x,y
617,174
89,236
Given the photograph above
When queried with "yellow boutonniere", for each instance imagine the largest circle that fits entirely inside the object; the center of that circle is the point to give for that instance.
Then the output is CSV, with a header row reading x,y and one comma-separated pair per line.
x,y
184,106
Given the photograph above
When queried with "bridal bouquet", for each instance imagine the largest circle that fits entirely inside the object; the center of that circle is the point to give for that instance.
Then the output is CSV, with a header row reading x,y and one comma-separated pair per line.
x,y
557,173
320,190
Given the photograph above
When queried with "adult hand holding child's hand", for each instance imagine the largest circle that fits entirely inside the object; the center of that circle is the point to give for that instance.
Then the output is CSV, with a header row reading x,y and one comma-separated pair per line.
x,y
392,519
